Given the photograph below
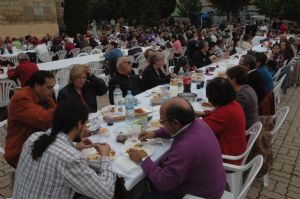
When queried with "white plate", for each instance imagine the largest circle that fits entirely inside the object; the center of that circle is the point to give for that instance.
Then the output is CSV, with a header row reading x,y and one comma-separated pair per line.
x,y
146,147
90,151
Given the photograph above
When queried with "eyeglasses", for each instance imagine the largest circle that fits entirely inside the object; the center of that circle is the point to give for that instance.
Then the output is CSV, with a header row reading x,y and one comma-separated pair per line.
x,y
162,121
126,62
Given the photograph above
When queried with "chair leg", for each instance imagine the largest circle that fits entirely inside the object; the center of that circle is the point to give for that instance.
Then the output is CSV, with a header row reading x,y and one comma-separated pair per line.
x,y
266,179
235,181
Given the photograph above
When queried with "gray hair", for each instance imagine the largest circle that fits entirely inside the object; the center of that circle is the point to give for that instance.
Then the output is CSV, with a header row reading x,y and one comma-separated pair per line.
x,y
22,57
120,61
156,57
249,60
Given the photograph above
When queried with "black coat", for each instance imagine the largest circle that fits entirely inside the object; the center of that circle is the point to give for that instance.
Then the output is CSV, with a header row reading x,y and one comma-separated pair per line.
x,y
92,88
200,59
256,81
133,83
151,79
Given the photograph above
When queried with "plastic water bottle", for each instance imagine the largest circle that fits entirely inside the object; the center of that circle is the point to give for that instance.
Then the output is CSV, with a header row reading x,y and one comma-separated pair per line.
x,y
117,98
180,72
129,106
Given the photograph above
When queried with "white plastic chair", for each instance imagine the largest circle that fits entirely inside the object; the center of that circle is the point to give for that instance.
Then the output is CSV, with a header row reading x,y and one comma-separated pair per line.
x,y
254,166
6,86
61,54
276,76
277,91
94,65
46,57
62,77
279,117
96,51
13,59
75,52
100,47
140,60
87,50
171,69
171,57
235,179
82,54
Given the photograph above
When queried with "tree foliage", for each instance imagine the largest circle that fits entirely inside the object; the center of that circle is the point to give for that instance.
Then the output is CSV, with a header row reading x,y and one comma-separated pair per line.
x,y
76,16
146,12
230,6
190,9
284,9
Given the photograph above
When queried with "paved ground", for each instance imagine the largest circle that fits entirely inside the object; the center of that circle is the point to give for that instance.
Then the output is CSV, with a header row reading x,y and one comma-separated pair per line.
x,y
284,181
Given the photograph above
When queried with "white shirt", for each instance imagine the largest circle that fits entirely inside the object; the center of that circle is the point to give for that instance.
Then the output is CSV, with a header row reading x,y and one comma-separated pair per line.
x,y
41,49
256,40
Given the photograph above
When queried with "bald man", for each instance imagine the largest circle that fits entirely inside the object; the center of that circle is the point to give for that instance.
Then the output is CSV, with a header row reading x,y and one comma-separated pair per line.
x,y
193,165
125,79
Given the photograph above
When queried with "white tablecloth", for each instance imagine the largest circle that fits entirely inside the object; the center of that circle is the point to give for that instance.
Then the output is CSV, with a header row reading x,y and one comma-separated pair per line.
x,y
16,53
144,101
60,64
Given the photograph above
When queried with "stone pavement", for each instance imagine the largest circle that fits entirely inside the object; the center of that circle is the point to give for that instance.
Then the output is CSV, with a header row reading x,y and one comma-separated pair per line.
x,y
284,180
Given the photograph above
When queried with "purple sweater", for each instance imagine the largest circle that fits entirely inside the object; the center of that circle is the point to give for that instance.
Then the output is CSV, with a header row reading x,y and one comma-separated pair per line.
x,y
193,165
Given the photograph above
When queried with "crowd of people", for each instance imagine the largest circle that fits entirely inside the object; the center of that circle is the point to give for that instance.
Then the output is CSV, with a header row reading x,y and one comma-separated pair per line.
x,y
49,165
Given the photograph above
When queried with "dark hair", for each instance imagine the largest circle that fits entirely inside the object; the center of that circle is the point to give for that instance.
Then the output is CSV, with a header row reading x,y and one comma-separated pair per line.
x,y
220,92
181,114
39,77
272,64
182,61
113,43
261,57
219,42
239,73
249,60
211,44
65,117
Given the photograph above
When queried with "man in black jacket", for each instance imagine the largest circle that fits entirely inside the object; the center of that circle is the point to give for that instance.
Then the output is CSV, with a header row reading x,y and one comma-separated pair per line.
x,y
125,79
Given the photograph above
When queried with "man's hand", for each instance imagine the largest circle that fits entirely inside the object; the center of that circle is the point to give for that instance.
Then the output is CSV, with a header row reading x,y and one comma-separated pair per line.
x,y
146,135
84,144
136,155
103,149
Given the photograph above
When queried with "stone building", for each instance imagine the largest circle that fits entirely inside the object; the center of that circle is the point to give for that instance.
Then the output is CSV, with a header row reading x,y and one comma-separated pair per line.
x,y
35,17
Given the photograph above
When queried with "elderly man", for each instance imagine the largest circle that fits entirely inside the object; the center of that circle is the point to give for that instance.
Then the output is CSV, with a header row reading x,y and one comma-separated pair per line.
x,y
193,165
30,110
24,70
125,79
255,79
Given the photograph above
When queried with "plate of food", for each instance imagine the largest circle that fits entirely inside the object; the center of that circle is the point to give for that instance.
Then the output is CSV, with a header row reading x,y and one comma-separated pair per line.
x,y
140,146
91,154
154,125
116,115
140,112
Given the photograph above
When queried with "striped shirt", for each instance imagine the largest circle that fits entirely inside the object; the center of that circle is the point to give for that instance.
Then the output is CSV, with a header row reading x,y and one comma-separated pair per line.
x,y
60,172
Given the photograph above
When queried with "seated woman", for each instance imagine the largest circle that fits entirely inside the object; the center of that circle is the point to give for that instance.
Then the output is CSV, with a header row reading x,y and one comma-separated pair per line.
x,y
276,56
84,86
153,75
147,55
246,96
228,119
201,57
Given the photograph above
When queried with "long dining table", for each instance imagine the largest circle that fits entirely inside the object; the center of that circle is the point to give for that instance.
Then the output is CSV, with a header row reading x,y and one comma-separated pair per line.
x,y
131,179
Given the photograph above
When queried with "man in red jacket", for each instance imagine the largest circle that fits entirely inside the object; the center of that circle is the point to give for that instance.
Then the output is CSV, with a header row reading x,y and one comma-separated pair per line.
x,y
24,70
30,110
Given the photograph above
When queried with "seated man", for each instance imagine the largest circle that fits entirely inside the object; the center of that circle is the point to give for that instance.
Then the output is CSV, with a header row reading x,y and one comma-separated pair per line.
x,y
51,166
135,49
112,54
194,163
255,79
24,70
30,110
125,79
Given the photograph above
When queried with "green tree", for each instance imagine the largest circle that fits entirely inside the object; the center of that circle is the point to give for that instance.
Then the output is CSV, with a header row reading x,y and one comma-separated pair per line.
x,y
230,7
166,7
76,16
284,9
190,9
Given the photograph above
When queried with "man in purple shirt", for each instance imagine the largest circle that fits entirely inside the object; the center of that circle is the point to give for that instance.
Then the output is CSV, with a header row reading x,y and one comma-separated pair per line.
x,y
193,165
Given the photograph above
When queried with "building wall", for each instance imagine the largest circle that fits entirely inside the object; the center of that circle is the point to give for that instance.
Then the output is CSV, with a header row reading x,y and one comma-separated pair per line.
x,y
22,17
